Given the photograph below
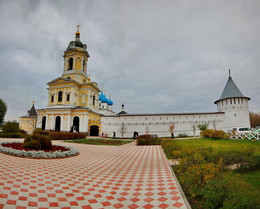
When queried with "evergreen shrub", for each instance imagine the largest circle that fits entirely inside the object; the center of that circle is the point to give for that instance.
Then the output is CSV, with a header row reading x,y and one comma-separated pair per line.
x,y
148,140
32,142
182,135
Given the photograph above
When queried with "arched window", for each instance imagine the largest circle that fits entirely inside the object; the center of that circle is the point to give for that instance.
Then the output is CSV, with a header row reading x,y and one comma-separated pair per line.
x,y
43,123
94,98
60,96
70,63
84,65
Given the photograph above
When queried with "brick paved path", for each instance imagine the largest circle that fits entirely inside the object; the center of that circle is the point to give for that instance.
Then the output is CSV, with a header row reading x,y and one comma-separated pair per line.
x,y
127,176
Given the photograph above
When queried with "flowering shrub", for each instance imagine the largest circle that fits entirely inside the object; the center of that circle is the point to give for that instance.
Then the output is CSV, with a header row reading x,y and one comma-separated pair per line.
x,y
215,134
70,151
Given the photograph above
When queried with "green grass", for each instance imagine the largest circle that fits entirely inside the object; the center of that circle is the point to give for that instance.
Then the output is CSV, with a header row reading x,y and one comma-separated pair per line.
x,y
221,145
99,141
251,177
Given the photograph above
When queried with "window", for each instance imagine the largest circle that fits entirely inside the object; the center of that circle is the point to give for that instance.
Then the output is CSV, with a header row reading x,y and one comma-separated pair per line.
x,y
60,96
70,63
84,64
230,100
68,97
94,98
52,98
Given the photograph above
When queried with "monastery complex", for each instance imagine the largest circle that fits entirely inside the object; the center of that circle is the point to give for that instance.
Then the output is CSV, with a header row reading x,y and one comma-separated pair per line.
x,y
75,103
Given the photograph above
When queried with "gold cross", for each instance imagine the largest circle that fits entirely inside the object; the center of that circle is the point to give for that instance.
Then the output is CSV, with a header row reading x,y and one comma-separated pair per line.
x,y
78,27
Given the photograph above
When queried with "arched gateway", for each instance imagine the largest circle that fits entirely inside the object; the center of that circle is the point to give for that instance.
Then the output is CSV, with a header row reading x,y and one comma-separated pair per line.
x,y
94,130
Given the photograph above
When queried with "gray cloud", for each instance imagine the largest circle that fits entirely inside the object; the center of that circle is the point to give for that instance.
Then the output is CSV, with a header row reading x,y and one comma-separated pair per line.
x,y
155,56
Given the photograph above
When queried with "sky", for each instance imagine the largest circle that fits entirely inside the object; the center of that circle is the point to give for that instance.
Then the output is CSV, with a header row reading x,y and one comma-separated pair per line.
x,y
155,56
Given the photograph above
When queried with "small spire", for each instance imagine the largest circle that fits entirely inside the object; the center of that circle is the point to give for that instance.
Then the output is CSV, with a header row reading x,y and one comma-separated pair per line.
x,y
78,27
77,33
229,72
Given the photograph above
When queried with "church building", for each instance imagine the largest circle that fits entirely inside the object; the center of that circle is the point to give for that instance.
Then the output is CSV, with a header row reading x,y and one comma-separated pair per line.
x,y
75,103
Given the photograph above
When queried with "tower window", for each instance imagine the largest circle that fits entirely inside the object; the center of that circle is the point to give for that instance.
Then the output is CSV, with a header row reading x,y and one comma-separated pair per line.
x,y
68,97
60,96
52,98
70,63
84,65
94,98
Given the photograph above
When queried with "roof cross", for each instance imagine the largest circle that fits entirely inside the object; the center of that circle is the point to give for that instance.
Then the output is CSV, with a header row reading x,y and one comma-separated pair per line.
x,y
78,27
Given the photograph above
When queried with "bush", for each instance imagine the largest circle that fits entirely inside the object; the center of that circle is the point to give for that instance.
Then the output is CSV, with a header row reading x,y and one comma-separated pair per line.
x,y
171,148
37,141
227,192
12,135
11,127
66,135
148,140
31,142
215,134
182,135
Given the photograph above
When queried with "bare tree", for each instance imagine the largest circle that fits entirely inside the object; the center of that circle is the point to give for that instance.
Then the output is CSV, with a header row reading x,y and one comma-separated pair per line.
x,y
34,121
214,124
122,129
171,129
147,130
194,127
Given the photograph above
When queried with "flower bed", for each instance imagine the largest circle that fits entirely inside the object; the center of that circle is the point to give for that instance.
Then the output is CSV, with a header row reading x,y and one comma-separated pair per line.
x,y
16,149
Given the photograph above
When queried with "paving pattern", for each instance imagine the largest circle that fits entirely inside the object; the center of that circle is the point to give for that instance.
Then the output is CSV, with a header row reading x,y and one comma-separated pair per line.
x,y
125,176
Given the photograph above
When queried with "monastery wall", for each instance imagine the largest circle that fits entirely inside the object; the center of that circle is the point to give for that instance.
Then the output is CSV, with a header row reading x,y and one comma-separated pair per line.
x,y
159,123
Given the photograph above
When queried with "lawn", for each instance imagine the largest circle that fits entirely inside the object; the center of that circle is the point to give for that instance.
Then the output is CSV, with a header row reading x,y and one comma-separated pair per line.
x,y
204,175
221,145
99,141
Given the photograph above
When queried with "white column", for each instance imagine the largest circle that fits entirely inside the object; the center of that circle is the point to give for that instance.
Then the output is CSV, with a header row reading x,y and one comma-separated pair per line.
x,y
53,124
61,122
74,61
69,118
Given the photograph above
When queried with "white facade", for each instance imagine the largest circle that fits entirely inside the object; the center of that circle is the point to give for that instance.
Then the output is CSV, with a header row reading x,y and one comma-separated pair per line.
x,y
158,124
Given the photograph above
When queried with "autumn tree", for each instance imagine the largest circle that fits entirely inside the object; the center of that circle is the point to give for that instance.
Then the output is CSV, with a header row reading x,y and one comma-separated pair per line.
x,y
254,119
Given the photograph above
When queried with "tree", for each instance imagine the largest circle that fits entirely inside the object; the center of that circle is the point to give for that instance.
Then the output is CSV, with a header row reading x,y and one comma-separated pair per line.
x,y
122,129
147,130
194,127
171,129
3,109
203,126
254,119
11,127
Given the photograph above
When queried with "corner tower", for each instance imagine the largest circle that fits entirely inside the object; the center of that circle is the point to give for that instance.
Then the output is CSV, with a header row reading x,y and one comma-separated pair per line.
x,y
75,60
235,106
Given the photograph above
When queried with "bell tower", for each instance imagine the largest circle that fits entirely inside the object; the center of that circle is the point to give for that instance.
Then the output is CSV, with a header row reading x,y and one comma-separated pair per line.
x,y
75,60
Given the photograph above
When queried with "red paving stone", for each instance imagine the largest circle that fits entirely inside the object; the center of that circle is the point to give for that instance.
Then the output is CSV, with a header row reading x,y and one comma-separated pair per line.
x,y
125,176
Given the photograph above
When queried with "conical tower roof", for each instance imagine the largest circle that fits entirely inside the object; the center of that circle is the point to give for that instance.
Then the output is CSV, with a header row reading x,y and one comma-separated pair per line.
x,y
231,90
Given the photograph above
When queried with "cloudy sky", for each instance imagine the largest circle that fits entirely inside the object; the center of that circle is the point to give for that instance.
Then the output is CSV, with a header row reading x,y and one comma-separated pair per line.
x,y
156,56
